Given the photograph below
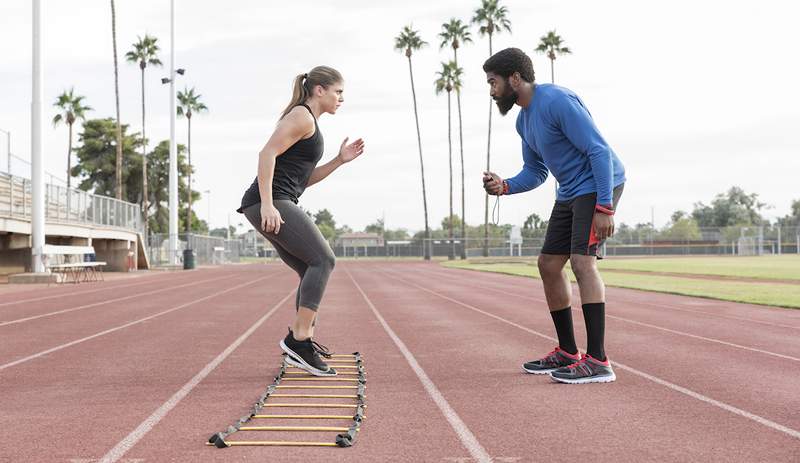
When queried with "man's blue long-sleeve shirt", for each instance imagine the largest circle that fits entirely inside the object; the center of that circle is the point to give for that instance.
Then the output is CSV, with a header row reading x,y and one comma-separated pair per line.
x,y
559,135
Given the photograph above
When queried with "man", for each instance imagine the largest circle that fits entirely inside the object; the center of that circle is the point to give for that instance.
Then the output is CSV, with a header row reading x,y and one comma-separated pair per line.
x,y
559,136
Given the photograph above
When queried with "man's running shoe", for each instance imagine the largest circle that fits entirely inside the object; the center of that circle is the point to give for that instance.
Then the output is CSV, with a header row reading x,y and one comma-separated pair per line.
x,y
306,355
587,370
554,360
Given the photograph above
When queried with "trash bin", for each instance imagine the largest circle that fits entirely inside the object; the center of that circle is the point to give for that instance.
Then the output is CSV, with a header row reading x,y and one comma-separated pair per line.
x,y
188,259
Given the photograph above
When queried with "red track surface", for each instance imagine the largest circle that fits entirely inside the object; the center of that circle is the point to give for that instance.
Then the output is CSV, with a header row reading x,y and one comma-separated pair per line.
x,y
147,369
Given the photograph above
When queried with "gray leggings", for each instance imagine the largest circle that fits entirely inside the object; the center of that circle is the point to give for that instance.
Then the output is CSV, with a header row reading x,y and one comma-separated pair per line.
x,y
302,247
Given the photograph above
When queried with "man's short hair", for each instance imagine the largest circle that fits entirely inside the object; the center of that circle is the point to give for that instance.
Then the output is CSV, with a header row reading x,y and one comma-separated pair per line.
x,y
506,62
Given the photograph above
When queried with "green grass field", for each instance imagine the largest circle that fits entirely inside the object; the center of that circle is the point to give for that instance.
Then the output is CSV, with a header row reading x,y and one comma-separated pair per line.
x,y
785,267
765,293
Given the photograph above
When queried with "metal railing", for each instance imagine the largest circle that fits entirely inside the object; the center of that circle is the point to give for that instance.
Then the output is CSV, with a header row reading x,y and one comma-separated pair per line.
x,y
69,206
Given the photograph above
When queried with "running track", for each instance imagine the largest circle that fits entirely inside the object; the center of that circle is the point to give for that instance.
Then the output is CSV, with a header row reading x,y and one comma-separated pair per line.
x,y
146,369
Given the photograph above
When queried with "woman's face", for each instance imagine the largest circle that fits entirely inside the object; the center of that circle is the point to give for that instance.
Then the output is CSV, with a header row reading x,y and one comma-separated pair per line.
x,y
331,98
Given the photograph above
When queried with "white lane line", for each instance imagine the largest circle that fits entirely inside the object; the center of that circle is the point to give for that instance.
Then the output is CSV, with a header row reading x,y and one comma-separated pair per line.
x,y
730,408
81,293
464,434
111,330
648,325
95,304
137,434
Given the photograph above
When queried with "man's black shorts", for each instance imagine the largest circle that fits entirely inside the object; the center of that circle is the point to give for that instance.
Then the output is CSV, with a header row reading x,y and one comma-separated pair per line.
x,y
571,227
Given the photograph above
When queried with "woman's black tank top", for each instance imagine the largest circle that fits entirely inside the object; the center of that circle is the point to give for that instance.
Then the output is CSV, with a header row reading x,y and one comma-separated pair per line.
x,y
293,169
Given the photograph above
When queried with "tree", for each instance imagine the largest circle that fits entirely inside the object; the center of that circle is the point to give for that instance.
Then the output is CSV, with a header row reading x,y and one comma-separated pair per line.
x,y
454,34
793,219
323,217
376,227
71,109
454,219
733,208
534,222
409,41
550,45
400,234
158,171
447,80
492,19
682,227
222,232
118,164
189,104
96,160
145,51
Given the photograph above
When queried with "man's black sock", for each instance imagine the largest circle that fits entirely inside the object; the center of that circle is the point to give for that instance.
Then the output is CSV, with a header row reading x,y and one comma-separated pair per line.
x,y
562,319
595,316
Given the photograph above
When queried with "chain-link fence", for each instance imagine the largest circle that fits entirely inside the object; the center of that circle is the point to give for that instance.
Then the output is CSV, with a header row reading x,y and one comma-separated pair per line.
x,y
739,241
208,250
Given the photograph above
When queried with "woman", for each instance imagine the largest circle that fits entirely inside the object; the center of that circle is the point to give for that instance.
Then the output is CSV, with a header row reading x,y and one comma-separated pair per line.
x,y
286,166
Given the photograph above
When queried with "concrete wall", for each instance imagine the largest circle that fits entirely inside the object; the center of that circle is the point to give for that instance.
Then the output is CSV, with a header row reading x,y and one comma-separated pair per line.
x,y
115,254
15,252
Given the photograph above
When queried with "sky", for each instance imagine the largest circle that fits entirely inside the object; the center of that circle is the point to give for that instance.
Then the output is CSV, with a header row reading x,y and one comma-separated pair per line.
x,y
694,97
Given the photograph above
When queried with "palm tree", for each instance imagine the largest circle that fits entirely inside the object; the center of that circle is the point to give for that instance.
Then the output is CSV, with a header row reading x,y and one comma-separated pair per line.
x,y
447,80
455,33
551,45
189,104
71,109
410,41
116,94
145,51
492,19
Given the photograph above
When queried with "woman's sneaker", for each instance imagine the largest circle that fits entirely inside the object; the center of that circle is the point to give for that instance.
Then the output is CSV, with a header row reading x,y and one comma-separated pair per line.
x,y
554,360
587,370
306,355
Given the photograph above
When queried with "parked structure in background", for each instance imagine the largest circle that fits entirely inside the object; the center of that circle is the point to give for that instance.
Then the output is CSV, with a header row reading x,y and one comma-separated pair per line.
x,y
71,217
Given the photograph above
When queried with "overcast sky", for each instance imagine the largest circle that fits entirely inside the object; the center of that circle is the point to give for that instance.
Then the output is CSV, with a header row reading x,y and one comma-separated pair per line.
x,y
694,96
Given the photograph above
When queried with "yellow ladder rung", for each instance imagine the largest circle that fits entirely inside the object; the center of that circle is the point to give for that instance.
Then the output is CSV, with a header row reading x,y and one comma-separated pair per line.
x,y
335,366
316,396
317,378
306,417
296,428
313,405
279,443
304,386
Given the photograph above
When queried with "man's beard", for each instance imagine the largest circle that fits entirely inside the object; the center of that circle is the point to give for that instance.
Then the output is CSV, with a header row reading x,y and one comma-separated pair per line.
x,y
506,102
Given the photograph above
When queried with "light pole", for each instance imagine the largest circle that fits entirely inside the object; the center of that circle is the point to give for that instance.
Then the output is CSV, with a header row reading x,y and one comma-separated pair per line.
x,y
173,151
8,148
37,170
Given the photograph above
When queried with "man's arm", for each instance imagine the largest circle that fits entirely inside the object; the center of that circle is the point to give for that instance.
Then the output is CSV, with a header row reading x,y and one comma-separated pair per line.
x,y
533,172
577,125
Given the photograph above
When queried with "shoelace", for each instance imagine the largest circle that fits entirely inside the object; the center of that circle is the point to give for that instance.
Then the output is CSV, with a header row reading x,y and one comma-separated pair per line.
x,y
320,349
576,365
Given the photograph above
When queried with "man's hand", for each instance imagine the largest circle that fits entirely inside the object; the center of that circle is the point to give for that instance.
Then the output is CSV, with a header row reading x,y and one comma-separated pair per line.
x,y
492,183
603,225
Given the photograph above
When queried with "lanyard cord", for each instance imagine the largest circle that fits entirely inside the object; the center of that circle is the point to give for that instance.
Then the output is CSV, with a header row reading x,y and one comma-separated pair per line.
x,y
496,208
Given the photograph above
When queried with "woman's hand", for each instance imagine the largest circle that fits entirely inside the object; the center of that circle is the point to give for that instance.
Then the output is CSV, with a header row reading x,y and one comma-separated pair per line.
x,y
349,152
270,218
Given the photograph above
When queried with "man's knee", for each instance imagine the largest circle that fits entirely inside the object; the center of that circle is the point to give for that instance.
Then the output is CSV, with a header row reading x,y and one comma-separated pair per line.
x,y
550,266
584,267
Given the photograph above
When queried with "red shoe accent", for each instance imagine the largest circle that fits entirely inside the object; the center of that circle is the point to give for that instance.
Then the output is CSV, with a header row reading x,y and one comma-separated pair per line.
x,y
594,360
